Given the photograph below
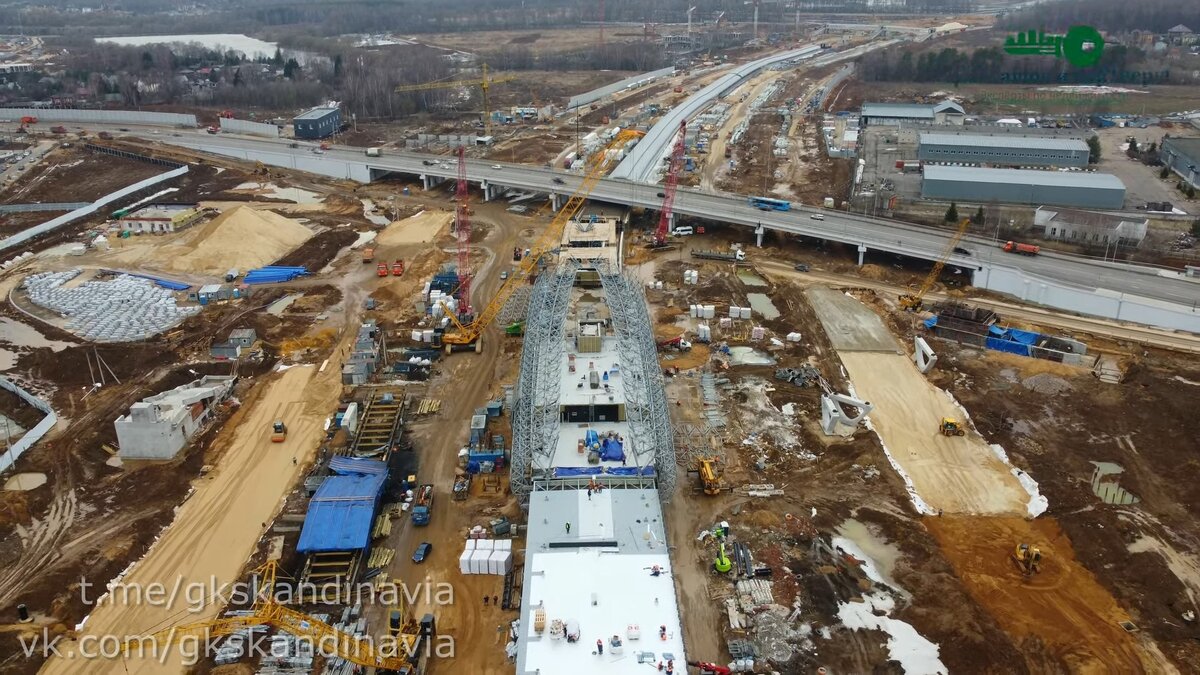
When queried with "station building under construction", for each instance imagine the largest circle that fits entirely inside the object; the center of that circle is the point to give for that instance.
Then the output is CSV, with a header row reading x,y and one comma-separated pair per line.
x,y
593,455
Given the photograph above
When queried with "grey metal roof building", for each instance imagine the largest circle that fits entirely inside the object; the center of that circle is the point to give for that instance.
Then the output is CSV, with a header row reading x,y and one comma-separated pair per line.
x,y
1023,186
1001,150
946,112
1183,156
317,123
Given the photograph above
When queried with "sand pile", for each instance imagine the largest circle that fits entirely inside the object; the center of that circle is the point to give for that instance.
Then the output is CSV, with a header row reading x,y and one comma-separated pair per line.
x,y
241,237
419,229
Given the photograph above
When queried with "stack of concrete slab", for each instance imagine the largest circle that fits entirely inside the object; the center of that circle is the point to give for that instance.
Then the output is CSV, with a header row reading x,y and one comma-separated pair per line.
x,y
123,309
486,556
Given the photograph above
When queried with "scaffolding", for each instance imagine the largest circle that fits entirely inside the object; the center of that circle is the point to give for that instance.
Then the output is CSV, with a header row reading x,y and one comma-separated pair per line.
x,y
645,398
535,416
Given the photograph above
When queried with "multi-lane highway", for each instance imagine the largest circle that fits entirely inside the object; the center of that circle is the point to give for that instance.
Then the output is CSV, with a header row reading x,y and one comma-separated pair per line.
x,y
879,234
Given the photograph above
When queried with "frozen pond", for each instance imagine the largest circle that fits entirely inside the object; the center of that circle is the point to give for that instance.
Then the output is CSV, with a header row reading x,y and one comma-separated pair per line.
x,y
379,218
277,308
749,356
762,304
250,47
23,335
8,359
273,191
25,481
878,555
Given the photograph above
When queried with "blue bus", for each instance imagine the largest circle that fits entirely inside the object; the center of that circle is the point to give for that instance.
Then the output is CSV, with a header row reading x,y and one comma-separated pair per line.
x,y
768,204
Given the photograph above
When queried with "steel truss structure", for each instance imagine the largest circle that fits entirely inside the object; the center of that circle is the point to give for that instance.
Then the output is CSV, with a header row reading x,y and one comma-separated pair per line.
x,y
645,398
535,415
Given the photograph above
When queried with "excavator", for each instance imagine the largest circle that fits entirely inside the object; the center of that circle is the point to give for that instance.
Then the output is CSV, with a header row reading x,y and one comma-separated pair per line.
x,y
722,564
1028,559
913,302
951,427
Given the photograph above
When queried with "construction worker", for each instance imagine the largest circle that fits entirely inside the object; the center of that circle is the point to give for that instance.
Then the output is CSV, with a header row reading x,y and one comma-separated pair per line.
x,y
568,528
485,601
599,647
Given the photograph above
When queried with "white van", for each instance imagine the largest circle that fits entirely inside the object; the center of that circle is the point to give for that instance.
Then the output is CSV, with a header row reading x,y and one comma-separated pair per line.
x,y
683,231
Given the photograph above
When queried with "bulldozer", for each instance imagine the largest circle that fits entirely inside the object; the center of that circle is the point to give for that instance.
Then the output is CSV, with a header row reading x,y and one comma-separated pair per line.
x,y
1028,559
278,432
951,427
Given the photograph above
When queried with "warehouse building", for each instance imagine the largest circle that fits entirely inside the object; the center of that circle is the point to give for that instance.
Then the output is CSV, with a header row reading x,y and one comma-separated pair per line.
x,y
161,218
1183,156
159,426
1023,186
895,114
1089,227
1001,150
318,123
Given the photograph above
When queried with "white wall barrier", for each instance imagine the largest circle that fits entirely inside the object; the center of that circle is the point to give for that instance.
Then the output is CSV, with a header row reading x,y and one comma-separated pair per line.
x,y
99,116
35,434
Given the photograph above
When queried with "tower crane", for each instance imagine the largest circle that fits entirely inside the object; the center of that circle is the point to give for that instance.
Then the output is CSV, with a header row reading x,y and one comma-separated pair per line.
x,y
484,83
465,334
462,231
912,303
672,182
267,611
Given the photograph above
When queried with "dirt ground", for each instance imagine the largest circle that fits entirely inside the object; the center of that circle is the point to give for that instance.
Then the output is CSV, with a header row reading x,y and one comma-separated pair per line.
x,y
90,176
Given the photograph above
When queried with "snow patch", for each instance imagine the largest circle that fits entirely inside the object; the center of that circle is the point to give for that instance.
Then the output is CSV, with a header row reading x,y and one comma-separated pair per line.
x,y
916,655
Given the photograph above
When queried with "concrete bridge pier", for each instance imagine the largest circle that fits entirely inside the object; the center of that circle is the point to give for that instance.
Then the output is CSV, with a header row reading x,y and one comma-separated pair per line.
x,y
862,252
556,201
429,182
671,223
487,191
759,230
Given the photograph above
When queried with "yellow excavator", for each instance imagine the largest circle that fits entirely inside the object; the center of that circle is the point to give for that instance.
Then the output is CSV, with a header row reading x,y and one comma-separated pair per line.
x,y
951,427
913,302
1028,559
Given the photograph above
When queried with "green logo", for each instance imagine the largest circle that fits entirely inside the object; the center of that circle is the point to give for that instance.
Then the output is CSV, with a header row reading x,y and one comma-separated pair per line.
x,y
1081,46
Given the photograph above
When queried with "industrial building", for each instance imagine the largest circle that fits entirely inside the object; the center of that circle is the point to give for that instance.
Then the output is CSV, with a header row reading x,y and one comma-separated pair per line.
x,y
1001,150
895,114
1182,155
317,123
1022,186
159,426
1089,227
161,218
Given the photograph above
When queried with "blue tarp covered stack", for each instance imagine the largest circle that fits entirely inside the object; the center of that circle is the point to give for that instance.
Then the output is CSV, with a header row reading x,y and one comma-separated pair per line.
x,y
341,512
1011,340
570,471
273,274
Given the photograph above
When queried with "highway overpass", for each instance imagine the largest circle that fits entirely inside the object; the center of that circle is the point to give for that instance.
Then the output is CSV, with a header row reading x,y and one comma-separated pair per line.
x,y
1112,290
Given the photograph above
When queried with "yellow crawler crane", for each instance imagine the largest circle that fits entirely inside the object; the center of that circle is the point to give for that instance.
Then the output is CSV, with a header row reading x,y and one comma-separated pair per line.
x,y
912,303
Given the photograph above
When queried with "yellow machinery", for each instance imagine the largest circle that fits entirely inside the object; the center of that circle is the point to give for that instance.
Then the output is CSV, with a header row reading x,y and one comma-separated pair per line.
x,y
469,334
951,427
278,432
483,83
710,476
268,612
912,303
1028,558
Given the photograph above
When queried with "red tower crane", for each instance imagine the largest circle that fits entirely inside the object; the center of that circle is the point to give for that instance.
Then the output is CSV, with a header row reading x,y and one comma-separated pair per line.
x,y
462,230
672,182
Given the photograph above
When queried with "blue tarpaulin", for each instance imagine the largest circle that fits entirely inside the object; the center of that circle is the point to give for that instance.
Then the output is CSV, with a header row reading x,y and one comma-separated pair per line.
x,y
1023,336
612,451
345,465
569,471
1007,346
341,512
165,283
931,322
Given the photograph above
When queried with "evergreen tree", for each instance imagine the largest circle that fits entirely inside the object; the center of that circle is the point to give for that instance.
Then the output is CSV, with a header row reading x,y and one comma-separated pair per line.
x,y
1164,172
952,213
1093,149
978,219
291,69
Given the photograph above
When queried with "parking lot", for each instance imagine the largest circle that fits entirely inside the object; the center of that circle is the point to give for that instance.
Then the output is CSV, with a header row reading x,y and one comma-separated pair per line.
x,y
1142,183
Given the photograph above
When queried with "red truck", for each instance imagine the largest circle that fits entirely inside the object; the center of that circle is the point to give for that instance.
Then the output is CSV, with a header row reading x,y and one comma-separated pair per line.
x,y
381,270
1023,249
398,268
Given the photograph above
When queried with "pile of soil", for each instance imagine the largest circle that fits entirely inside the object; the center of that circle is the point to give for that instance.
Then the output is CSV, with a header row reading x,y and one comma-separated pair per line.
x,y
419,229
241,237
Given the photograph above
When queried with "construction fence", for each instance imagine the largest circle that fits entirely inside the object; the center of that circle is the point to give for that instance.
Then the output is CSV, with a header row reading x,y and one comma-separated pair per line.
x,y
99,116
249,128
33,435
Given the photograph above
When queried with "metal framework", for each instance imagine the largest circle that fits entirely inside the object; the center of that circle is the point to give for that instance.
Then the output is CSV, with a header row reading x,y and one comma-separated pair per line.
x,y
535,417
645,399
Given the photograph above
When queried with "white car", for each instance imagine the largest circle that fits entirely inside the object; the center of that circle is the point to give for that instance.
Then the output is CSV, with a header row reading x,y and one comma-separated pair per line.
x,y
497,166
817,216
